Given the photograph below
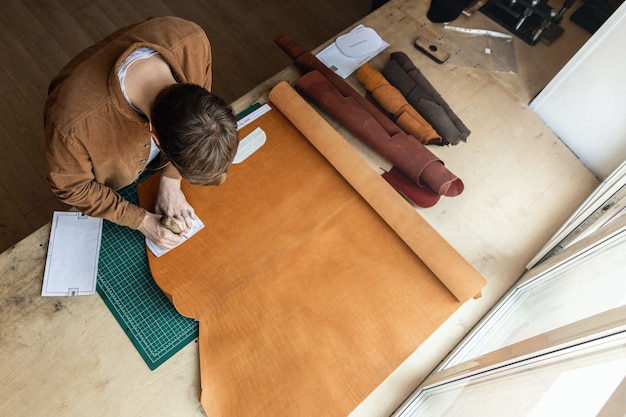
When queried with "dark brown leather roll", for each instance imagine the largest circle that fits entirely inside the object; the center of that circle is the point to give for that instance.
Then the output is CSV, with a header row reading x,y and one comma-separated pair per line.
x,y
419,92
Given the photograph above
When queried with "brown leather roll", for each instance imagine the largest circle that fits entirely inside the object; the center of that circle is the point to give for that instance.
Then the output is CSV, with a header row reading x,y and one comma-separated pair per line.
x,y
410,156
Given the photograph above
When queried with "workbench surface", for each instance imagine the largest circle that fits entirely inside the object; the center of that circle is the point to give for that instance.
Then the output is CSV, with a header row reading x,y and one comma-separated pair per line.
x,y
69,357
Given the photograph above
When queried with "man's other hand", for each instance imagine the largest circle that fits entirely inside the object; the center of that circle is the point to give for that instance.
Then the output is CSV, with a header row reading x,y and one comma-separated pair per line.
x,y
171,201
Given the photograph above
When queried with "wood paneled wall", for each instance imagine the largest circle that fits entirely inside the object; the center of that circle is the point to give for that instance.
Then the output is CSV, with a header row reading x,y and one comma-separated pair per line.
x,y
37,37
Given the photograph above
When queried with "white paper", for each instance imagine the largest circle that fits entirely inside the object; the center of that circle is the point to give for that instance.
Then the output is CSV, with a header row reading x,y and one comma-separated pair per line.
x,y
249,145
196,226
358,43
73,251
342,64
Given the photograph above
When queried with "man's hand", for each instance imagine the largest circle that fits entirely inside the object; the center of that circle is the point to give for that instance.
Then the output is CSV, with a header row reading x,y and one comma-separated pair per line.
x,y
171,201
152,228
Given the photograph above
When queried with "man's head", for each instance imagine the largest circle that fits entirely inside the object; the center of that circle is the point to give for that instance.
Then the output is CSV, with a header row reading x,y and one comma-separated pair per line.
x,y
196,131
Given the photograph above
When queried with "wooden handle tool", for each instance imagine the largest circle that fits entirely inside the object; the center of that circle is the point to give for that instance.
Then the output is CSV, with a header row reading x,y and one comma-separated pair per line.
x,y
169,223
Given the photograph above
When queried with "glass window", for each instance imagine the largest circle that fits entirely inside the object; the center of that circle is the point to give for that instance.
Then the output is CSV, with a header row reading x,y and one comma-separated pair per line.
x,y
590,284
574,382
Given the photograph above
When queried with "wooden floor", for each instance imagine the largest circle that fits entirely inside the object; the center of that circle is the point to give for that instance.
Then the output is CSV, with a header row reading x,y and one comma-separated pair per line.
x,y
37,37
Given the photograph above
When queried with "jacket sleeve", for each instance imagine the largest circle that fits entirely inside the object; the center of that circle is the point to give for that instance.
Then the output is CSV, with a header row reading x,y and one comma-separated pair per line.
x,y
70,176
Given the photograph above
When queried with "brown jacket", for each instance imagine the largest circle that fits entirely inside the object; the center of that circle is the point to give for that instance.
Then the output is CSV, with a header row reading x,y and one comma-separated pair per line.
x,y
95,142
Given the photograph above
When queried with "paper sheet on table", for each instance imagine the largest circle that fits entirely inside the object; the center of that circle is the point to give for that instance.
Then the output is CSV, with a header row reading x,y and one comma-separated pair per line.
x,y
196,226
342,64
73,251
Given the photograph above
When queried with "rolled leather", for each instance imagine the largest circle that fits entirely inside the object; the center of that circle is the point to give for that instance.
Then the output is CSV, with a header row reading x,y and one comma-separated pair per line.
x,y
342,102
392,100
306,61
420,165
419,92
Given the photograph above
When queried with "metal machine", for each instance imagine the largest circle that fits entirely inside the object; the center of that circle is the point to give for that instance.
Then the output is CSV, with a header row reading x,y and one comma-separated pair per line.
x,y
530,20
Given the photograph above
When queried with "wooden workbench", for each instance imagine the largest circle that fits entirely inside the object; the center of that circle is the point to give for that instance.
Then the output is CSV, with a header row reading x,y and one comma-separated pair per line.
x,y
69,357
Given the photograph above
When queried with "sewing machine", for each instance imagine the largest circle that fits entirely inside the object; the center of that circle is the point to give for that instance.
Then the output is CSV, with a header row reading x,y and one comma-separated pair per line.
x,y
530,20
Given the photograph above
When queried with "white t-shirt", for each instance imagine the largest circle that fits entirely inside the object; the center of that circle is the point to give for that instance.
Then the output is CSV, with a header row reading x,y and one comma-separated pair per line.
x,y
140,53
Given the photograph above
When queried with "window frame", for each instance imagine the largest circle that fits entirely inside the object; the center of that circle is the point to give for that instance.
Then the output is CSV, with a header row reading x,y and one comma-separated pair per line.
x,y
575,335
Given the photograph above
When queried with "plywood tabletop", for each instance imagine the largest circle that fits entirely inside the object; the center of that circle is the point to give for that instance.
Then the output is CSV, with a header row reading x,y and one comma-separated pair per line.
x,y
68,356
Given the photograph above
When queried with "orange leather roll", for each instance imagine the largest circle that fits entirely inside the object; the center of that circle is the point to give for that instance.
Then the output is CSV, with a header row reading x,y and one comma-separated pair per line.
x,y
392,100
451,268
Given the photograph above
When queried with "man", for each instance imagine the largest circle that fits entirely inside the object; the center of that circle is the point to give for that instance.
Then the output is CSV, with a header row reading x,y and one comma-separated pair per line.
x,y
138,100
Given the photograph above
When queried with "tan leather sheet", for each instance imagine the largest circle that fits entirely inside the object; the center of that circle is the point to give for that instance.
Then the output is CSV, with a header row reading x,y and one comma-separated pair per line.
x,y
307,299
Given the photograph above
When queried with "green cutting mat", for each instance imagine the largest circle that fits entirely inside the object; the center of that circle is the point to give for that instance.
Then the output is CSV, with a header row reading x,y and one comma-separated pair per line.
x,y
126,285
